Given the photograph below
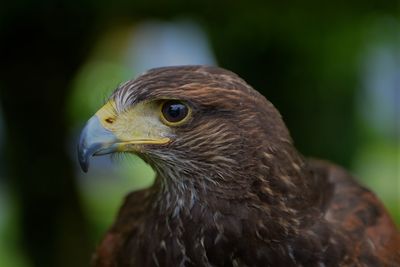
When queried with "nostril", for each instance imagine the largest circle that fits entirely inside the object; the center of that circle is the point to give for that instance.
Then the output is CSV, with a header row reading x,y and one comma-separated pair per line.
x,y
109,120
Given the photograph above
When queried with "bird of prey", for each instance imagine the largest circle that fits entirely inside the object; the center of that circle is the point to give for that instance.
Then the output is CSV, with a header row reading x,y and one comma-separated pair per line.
x,y
231,188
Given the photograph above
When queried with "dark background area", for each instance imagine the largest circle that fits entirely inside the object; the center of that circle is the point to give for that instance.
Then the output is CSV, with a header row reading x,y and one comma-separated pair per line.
x,y
314,60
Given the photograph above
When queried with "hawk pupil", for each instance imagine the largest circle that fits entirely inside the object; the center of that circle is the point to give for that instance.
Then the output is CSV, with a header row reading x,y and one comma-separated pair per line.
x,y
174,111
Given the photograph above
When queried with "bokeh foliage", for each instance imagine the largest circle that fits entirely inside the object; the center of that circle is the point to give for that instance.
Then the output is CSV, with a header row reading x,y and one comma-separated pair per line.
x,y
303,56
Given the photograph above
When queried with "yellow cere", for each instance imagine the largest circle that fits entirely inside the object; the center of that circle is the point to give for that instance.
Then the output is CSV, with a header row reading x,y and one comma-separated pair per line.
x,y
140,124
107,113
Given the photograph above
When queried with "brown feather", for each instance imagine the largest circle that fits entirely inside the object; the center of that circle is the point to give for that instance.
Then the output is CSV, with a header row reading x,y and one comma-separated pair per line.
x,y
232,190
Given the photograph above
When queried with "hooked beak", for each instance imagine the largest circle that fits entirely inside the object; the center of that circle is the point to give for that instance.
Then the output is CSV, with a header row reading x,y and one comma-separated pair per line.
x,y
95,140
107,132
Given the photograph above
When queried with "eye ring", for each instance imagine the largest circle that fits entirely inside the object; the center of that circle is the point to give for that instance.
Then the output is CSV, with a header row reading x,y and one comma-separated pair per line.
x,y
174,112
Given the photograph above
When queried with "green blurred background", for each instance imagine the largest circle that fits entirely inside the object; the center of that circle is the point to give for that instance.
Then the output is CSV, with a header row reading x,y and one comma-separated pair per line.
x,y
331,68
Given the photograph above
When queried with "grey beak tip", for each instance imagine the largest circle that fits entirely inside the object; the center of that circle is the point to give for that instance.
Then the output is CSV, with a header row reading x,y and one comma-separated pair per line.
x,y
94,140
83,159
84,166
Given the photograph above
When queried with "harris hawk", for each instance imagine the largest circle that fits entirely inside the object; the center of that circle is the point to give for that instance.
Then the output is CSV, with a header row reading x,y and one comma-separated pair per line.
x,y
230,189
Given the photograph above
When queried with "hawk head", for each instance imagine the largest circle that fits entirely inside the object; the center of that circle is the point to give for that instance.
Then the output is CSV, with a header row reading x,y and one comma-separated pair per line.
x,y
199,127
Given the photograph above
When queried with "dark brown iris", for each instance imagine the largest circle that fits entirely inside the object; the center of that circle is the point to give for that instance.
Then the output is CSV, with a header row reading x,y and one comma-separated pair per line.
x,y
174,111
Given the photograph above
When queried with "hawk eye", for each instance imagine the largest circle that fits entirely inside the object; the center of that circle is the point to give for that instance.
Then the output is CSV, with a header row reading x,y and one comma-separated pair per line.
x,y
174,111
